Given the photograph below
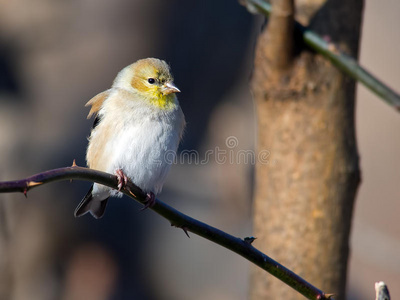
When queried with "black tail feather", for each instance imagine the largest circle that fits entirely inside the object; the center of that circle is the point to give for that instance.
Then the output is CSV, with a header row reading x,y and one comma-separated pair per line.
x,y
99,212
96,208
84,206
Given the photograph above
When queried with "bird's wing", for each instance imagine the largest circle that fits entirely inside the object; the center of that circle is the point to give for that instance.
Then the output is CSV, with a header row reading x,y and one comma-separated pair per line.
x,y
96,102
183,126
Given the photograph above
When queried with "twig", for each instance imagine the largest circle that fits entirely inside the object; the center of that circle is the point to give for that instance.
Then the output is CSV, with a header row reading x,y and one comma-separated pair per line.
x,y
328,50
381,291
242,247
280,32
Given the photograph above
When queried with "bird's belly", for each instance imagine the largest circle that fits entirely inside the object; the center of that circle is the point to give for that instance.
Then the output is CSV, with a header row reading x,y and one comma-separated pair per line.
x,y
145,155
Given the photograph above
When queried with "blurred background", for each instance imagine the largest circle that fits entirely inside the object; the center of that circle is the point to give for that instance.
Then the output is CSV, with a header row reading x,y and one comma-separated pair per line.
x,y
56,55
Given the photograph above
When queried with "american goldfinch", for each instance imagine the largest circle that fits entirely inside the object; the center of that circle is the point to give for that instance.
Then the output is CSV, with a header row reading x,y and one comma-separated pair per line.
x,y
138,124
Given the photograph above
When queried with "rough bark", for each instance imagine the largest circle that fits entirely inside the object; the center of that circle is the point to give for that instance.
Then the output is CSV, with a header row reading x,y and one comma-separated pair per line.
x,y
304,195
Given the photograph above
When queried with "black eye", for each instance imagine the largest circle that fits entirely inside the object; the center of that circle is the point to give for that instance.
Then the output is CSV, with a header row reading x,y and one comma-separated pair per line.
x,y
151,80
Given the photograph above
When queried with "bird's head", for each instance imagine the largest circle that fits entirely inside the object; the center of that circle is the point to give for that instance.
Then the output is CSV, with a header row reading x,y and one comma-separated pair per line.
x,y
151,78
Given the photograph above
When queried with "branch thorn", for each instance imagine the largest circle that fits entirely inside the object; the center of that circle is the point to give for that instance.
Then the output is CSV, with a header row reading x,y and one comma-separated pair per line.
x,y
329,296
74,163
249,240
130,192
184,228
33,183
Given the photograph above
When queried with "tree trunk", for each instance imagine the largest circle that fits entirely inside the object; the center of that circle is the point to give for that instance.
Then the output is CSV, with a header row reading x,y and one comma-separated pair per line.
x,y
304,193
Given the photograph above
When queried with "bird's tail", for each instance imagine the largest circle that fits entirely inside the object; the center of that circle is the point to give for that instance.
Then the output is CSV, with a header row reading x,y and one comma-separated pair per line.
x,y
89,204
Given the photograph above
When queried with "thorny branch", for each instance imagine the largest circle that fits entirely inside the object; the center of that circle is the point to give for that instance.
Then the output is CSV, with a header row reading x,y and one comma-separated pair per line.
x,y
242,247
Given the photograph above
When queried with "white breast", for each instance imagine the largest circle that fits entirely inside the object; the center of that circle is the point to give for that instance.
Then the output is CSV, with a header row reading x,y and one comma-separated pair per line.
x,y
143,151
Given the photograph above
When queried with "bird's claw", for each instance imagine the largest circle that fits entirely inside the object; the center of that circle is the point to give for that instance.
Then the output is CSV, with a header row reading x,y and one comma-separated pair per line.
x,y
122,179
150,200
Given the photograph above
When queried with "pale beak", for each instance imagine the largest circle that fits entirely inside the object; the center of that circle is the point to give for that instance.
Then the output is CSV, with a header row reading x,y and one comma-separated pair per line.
x,y
169,88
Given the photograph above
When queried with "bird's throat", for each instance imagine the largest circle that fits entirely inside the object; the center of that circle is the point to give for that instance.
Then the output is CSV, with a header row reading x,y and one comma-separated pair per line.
x,y
163,101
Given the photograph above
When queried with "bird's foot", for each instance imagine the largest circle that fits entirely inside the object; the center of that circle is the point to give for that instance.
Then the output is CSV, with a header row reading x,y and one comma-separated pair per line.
x,y
122,179
150,200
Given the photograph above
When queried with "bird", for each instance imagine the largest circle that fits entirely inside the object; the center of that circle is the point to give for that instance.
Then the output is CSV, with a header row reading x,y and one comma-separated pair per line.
x,y
136,132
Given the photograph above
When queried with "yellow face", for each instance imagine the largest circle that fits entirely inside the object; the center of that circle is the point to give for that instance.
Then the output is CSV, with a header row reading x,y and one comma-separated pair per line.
x,y
153,80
